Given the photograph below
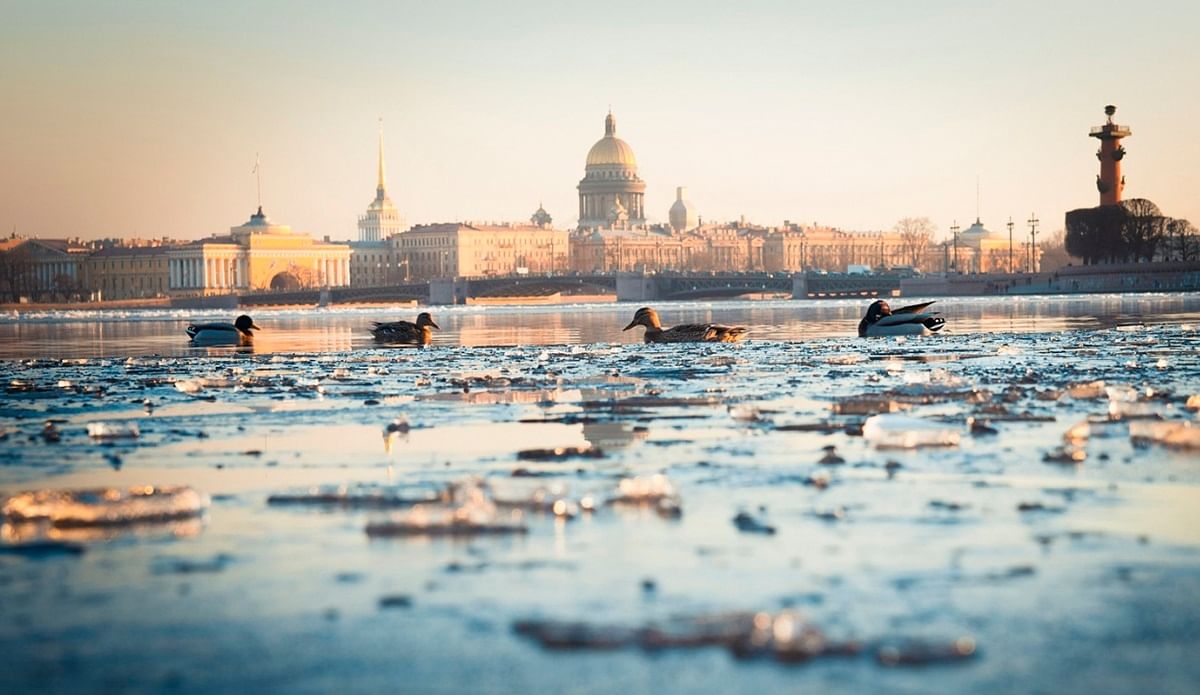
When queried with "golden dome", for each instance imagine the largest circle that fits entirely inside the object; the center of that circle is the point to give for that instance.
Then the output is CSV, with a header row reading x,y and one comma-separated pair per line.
x,y
611,150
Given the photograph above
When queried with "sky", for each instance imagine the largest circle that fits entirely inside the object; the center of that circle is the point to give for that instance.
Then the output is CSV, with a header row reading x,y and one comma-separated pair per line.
x,y
145,118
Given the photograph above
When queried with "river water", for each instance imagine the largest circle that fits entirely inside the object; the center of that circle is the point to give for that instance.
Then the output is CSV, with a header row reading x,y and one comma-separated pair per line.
x,y
1054,536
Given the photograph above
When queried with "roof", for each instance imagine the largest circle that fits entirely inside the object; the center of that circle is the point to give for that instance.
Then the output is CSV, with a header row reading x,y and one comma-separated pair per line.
x,y
111,251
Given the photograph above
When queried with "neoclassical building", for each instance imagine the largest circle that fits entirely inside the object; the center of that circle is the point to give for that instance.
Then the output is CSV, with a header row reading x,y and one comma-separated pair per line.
x,y
470,249
981,250
610,193
258,255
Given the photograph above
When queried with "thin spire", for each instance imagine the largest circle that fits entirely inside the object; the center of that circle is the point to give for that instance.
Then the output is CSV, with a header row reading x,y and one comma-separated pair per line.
x,y
258,180
977,199
380,185
610,124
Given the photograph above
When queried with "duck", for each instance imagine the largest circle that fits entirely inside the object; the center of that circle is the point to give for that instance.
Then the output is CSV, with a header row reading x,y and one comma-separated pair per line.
x,y
684,333
211,334
406,332
882,320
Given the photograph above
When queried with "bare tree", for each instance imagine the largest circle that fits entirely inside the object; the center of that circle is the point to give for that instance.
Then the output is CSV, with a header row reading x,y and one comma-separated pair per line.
x,y
1143,229
915,234
1184,240
1054,252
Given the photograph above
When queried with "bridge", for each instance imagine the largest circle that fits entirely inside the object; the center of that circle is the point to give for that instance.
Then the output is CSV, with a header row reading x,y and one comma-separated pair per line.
x,y
629,287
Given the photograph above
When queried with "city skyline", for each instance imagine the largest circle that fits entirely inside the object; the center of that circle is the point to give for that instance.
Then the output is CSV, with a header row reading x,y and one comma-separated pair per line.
x,y
131,120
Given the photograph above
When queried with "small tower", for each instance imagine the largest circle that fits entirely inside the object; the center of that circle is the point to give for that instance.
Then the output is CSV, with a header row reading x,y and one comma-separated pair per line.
x,y
541,218
682,214
1109,182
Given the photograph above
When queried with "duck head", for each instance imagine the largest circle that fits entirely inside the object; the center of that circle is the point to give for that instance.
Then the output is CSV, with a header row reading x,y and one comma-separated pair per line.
x,y
876,311
645,317
424,319
245,324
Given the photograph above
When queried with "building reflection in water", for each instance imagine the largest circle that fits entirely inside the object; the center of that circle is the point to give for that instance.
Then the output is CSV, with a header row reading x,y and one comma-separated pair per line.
x,y
78,334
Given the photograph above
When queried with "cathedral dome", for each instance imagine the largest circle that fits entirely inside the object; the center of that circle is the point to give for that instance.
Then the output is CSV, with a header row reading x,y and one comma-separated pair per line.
x,y
611,150
977,231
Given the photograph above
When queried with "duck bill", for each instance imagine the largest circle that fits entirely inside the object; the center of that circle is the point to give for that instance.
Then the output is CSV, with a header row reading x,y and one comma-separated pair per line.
x,y
434,325
255,327
631,325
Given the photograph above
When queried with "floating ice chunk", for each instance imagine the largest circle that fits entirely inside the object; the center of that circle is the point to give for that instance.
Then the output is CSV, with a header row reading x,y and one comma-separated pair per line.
x,y
644,489
745,413
113,430
1130,409
363,495
561,453
892,431
475,518
1121,392
543,500
1067,455
105,506
189,386
918,653
654,491
867,405
852,358
1078,433
1171,433
1086,391
1193,402
1007,349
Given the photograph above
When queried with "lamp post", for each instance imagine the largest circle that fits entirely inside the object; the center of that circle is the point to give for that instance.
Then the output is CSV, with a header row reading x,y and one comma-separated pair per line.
x,y
1033,223
1010,248
954,231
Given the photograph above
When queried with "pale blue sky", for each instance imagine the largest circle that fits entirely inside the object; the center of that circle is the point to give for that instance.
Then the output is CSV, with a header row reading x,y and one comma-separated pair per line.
x,y
143,118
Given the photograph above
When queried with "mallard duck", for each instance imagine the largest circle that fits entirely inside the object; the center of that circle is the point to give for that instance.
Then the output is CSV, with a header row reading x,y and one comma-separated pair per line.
x,y
685,333
236,333
882,320
406,332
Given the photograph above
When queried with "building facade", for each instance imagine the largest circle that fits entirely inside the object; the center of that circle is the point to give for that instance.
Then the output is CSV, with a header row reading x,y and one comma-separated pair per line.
x,y
42,269
128,272
480,250
257,256
611,193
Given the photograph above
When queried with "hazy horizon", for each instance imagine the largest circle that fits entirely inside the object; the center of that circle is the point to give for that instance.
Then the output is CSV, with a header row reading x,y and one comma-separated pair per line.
x,y
130,119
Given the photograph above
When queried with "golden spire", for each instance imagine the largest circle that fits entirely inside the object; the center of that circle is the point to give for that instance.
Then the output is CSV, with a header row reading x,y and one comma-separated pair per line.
x,y
380,185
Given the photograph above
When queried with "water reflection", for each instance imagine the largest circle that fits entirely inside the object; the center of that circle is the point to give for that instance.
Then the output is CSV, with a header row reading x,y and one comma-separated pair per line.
x,y
96,334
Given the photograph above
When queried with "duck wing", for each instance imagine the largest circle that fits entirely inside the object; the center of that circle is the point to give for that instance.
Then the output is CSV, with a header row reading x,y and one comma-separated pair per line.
x,y
725,334
395,331
194,329
701,333
898,319
912,308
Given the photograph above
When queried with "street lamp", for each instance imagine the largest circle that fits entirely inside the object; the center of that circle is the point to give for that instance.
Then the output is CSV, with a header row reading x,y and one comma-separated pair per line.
x,y
1010,258
1033,223
954,231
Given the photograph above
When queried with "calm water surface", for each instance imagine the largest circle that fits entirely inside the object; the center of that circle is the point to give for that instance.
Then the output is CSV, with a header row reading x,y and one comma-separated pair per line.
x,y
1080,576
